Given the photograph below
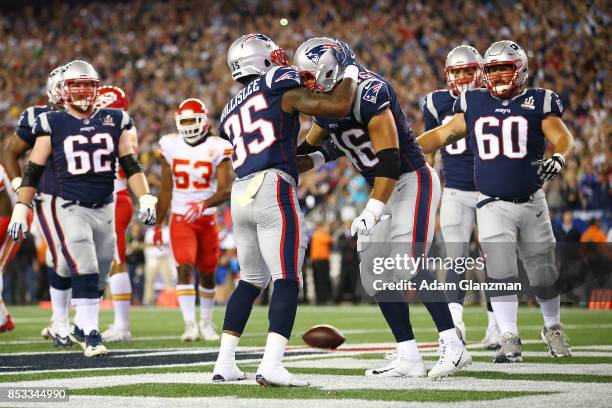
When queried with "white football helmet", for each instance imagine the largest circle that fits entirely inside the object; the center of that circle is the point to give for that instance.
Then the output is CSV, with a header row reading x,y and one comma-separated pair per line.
x,y
463,56
505,53
254,54
54,81
317,65
192,110
80,85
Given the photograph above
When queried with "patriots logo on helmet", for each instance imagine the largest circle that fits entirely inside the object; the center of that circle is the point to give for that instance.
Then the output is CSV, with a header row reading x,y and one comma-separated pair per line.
x,y
291,75
250,37
315,53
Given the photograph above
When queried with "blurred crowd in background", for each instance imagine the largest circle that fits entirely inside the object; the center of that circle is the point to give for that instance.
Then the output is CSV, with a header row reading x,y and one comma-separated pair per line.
x,y
161,52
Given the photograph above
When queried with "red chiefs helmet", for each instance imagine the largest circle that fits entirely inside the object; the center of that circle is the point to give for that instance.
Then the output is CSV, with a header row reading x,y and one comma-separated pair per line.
x,y
110,96
192,120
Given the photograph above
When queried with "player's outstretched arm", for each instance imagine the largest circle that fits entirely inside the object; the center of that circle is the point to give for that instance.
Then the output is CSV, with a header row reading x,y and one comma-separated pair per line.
x,y
309,156
559,135
16,149
443,135
337,104
136,178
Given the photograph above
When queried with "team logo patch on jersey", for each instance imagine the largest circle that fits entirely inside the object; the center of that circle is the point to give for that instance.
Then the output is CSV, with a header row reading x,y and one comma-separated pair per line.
x,y
315,53
371,91
528,103
108,121
291,75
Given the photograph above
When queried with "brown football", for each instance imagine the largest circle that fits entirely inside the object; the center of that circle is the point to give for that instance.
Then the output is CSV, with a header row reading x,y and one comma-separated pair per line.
x,y
323,336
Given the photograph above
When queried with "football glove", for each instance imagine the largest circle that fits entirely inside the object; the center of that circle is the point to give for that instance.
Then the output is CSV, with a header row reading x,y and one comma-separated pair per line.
x,y
365,222
549,168
158,240
195,211
18,226
344,54
16,183
146,212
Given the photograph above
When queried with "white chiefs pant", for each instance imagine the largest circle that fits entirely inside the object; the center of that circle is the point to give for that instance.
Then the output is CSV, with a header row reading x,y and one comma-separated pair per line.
x,y
269,228
505,227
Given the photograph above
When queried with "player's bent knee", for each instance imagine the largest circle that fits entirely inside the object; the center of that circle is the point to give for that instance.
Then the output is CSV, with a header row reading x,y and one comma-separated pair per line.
x,y
85,286
59,282
207,280
184,274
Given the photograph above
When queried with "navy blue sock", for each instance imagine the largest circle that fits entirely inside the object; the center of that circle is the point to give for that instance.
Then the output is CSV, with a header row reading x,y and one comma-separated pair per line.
x,y
489,307
397,316
85,286
58,282
283,307
435,301
239,307
456,295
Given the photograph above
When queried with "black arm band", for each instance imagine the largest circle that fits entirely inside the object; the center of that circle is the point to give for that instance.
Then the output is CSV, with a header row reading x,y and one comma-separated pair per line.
x,y
130,165
32,174
306,148
388,163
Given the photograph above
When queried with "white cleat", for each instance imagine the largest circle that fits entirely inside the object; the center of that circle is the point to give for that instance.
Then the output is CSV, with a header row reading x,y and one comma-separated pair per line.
x,y
453,357
207,331
228,373
492,339
400,367
460,327
113,334
191,332
278,376
45,332
94,346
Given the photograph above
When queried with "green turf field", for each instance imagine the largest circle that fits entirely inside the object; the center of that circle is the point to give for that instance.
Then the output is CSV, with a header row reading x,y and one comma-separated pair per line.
x,y
159,369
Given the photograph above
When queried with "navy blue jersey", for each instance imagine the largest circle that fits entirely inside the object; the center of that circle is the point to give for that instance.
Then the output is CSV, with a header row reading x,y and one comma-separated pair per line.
x,y
84,152
457,158
506,136
350,134
24,132
263,135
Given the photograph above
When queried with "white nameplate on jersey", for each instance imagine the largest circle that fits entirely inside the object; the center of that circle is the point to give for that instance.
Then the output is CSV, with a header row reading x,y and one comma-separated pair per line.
x,y
252,189
528,103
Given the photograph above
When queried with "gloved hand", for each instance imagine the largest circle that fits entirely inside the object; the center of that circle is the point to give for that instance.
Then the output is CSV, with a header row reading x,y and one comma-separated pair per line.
x,y
18,226
344,54
365,222
549,168
146,212
195,211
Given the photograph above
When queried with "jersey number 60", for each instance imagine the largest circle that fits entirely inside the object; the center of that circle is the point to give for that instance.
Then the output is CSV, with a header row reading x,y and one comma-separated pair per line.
x,y
513,147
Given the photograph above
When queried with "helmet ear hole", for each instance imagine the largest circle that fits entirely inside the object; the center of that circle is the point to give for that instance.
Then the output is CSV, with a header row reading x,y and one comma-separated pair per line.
x,y
267,63
329,73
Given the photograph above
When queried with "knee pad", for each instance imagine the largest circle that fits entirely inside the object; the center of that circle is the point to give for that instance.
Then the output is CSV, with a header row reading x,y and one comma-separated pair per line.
x,y
85,286
59,282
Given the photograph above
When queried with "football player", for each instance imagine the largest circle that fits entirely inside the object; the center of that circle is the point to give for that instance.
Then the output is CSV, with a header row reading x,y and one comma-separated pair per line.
x,y
262,122
508,126
197,176
82,144
378,141
458,209
121,289
59,275
8,247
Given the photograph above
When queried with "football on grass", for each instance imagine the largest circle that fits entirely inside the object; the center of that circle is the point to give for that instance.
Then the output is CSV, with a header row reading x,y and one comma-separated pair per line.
x,y
323,336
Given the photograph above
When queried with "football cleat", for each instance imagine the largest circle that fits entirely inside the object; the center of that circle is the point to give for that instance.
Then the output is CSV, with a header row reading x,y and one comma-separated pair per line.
x,y
94,347
557,341
453,357
228,373
113,334
8,324
45,332
460,328
58,333
207,331
492,339
278,376
400,367
191,332
510,351
77,335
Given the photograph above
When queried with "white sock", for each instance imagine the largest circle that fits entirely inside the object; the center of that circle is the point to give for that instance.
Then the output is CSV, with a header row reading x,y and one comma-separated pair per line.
x,y
227,350
87,312
408,350
275,350
60,304
492,320
121,290
207,303
456,310
186,299
450,336
551,311
506,309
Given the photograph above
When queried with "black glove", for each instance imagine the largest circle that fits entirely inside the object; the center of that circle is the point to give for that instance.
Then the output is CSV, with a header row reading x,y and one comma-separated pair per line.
x,y
344,54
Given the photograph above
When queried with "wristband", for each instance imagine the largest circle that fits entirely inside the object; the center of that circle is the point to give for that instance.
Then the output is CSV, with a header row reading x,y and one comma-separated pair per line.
x,y
16,183
560,157
351,72
376,207
318,160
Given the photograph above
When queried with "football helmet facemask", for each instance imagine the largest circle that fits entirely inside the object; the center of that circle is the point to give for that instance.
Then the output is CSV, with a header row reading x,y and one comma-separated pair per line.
x,y
192,120
463,57
80,85
504,53
317,65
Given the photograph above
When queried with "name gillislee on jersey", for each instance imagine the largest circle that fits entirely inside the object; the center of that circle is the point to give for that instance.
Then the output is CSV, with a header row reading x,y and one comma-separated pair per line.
x,y
242,95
